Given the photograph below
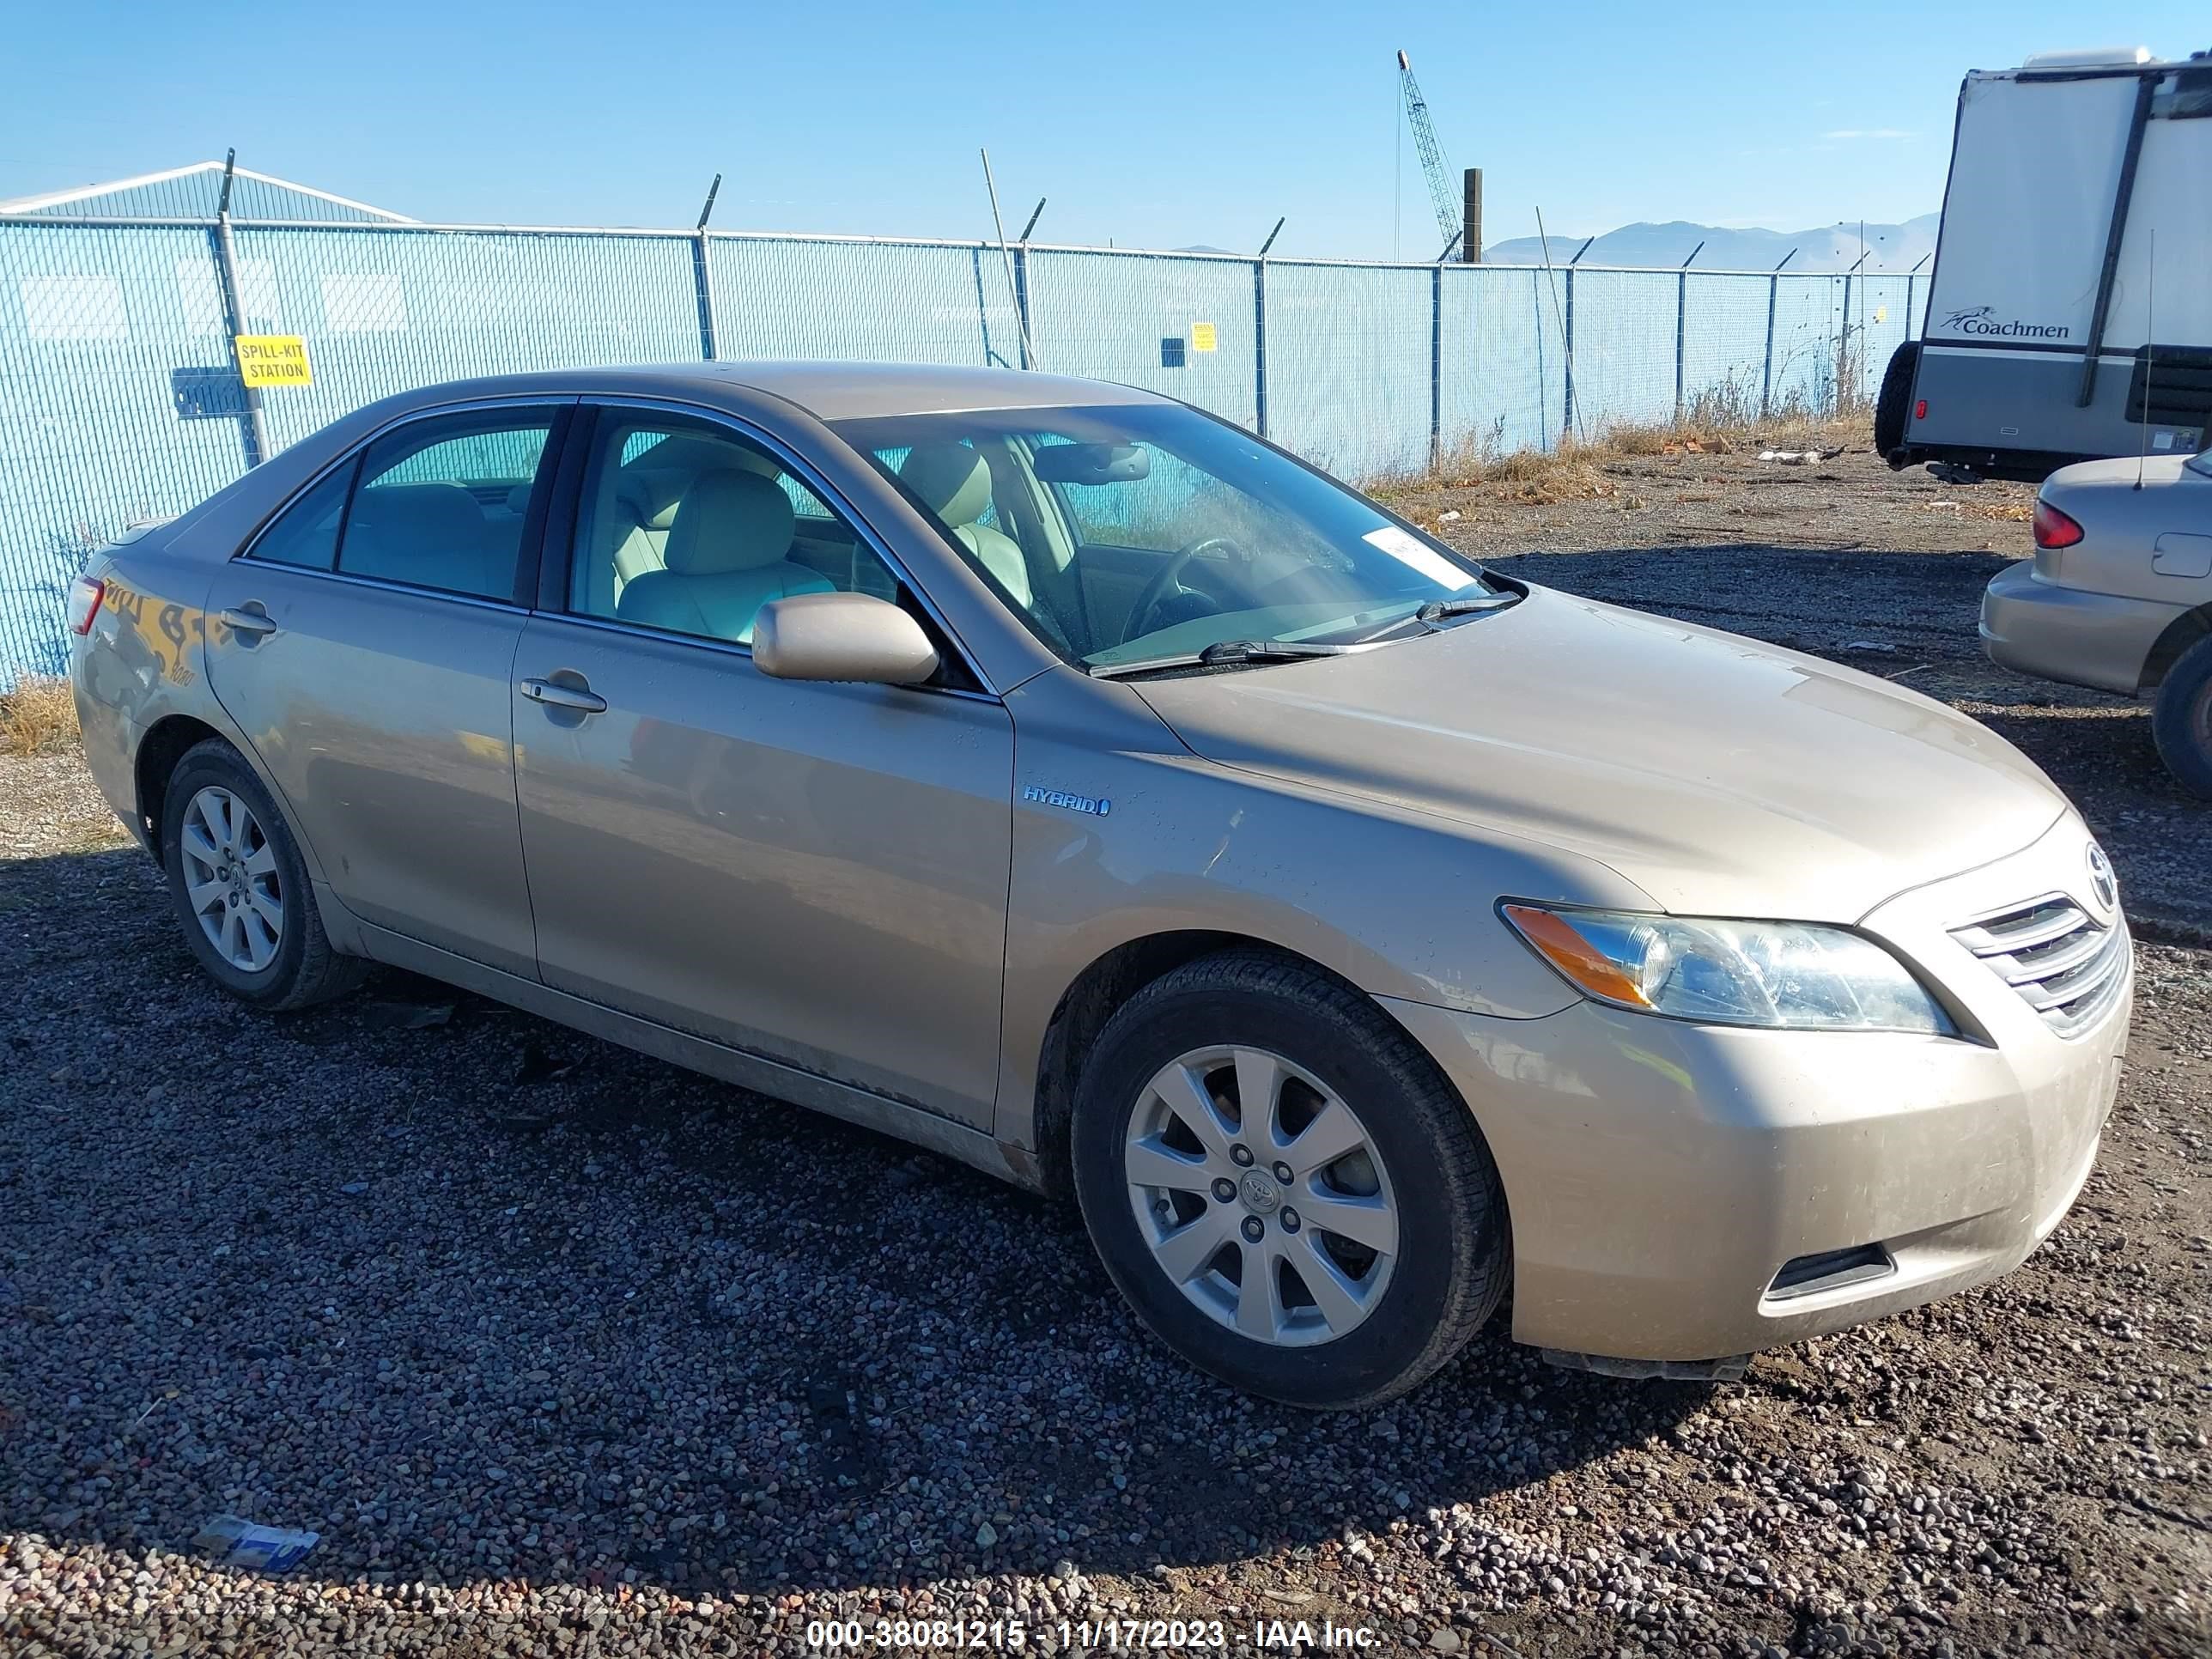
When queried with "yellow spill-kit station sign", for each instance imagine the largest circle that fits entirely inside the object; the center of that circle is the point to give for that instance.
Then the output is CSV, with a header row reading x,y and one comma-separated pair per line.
x,y
1202,337
273,359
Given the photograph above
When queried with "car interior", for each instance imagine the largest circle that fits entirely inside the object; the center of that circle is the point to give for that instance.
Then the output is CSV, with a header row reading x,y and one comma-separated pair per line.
x,y
1096,543
694,532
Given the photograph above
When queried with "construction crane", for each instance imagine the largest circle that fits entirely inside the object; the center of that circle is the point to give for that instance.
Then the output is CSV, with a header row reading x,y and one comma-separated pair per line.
x,y
1441,194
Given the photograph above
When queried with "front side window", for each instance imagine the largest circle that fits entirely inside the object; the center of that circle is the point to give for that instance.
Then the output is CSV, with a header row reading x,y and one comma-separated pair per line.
x,y
686,525
441,504
1126,534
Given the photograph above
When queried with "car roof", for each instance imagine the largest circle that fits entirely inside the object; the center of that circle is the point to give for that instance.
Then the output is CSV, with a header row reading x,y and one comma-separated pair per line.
x,y
828,391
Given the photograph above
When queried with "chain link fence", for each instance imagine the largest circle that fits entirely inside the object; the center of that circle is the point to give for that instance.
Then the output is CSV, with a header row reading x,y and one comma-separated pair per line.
x,y
120,396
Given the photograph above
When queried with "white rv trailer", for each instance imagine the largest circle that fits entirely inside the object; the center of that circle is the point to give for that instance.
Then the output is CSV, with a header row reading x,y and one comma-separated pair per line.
x,y
2070,316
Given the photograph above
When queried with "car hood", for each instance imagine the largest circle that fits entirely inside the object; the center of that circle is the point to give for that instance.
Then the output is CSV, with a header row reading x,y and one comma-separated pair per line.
x,y
1722,776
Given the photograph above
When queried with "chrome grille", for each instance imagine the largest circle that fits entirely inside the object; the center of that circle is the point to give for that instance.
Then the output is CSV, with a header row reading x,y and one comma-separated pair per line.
x,y
2067,966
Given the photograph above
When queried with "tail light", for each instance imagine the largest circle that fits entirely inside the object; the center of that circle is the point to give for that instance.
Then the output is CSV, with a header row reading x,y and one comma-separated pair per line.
x,y
84,597
1920,409
2053,529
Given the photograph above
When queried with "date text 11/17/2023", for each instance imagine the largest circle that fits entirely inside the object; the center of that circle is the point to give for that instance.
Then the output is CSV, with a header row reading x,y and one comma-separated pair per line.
x,y
1124,1635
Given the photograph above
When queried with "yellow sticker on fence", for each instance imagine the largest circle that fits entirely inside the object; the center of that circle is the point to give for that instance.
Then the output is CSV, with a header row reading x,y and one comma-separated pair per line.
x,y
1202,337
273,359
1881,313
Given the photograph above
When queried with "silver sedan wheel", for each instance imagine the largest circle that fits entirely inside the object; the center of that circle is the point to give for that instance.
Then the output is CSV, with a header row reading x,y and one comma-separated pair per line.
x,y
1261,1195
231,880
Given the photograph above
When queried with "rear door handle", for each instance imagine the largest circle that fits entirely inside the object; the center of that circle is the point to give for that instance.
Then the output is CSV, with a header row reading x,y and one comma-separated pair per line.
x,y
555,695
249,619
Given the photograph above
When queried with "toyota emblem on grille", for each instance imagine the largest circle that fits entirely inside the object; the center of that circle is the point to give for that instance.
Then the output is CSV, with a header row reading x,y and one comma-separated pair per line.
x,y
2102,885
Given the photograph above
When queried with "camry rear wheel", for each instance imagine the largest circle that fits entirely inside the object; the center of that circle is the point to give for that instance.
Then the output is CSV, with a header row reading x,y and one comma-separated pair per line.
x,y
232,882
240,888
1288,1192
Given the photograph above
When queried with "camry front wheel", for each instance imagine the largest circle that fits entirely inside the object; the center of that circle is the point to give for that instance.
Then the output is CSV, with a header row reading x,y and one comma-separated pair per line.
x,y
1286,1189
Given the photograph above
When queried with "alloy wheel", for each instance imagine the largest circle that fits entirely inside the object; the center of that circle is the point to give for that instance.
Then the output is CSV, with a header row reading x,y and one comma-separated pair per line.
x,y
1261,1195
231,879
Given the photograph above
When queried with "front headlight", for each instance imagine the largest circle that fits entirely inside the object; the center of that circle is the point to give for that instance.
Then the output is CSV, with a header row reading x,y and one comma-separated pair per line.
x,y
1783,974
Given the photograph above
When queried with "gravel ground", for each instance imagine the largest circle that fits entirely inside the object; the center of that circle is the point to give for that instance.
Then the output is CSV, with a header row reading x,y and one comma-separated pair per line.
x,y
562,1350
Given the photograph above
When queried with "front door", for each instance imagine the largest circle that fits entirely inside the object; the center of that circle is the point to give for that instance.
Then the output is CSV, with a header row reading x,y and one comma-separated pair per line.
x,y
363,645
815,873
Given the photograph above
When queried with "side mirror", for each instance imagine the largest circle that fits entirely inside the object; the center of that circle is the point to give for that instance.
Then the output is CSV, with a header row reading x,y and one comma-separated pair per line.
x,y
841,636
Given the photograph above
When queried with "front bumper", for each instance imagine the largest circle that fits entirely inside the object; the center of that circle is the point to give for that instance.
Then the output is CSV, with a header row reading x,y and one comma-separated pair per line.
x,y
2055,633
1660,1174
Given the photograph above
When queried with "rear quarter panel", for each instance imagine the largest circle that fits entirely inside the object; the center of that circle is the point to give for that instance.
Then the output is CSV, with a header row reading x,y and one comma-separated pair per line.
x,y
2123,527
143,660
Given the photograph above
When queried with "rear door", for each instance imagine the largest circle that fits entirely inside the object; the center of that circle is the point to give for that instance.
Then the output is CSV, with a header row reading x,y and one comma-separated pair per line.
x,y
815,873
362,642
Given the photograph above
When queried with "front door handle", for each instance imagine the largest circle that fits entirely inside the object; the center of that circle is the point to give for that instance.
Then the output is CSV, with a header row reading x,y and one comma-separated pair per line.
x,y
555,695
250,620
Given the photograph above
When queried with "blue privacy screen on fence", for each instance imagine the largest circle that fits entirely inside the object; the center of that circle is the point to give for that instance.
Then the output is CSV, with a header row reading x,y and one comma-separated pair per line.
x,y
120,400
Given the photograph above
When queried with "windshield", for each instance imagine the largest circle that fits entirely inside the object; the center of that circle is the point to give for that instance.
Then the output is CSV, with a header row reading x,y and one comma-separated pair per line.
x,y
1126,534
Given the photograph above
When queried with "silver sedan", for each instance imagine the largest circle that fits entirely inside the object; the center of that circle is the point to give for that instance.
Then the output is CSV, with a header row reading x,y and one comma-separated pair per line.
x,y
2119,596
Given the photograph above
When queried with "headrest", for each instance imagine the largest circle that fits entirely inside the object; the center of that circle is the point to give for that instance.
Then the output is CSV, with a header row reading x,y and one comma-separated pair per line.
x,y
651,487
647,502
436,514
728,521
953,481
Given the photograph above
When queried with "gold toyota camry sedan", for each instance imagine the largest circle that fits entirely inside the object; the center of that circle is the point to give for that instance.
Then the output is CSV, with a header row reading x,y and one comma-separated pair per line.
x,y
1060,778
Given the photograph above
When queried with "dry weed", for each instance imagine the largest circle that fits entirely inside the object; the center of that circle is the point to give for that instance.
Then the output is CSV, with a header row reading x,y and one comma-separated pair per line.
x,y
37,717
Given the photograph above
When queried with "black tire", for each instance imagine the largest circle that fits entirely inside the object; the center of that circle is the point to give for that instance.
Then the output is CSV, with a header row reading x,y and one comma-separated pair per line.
x,y
2181,720
1455,1253
1889,408
304,969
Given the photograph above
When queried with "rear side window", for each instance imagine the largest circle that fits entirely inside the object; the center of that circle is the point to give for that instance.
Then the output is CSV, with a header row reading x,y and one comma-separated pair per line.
x,y
307,532
441,504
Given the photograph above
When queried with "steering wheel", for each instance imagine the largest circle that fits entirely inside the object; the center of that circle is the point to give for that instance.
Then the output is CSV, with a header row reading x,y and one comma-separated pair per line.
x,y
1165,581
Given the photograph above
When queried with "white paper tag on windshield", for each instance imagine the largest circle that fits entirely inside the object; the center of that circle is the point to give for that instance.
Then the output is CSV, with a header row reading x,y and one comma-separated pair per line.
x,y
1412,550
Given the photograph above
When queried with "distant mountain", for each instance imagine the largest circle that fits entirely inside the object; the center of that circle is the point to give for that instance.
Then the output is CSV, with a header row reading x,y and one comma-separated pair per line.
x,y
1830,247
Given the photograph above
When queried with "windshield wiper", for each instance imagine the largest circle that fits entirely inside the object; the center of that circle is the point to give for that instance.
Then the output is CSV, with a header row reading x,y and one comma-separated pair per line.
x,y
1437,609
1221,653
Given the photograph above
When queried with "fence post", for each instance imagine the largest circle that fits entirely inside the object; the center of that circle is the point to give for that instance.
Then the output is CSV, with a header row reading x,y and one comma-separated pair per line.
x,y
1766,375
1773,291
1259,329
234,314
1681,311
1843,349
702,286
703,280
1436,366
1260,341
1567,425
1022,298
1681,318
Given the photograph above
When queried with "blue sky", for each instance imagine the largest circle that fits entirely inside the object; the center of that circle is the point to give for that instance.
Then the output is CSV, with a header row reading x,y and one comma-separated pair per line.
x,y
1148,125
